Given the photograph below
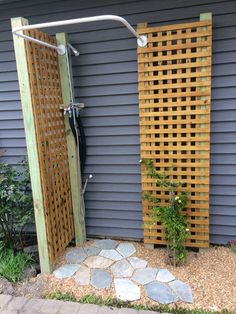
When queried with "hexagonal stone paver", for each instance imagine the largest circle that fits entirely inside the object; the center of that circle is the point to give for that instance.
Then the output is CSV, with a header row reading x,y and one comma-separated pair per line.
x,y
164,275
101,279
75,256
122,269
145,275
66,271
126,249
82,276
126,290
137,262
182,290
92,250
98,262
160,293
111,254
105,244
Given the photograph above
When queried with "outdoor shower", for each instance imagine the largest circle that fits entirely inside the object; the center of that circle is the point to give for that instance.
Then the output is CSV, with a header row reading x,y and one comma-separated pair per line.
x,y
174,77
45,77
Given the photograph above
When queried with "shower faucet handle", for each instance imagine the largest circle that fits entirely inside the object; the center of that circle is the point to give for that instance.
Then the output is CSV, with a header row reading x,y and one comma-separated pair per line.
x,y
72,106
66,110
78,105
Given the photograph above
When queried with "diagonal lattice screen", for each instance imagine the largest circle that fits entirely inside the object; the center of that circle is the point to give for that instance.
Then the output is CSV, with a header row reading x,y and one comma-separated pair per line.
x,y
174,107
44,75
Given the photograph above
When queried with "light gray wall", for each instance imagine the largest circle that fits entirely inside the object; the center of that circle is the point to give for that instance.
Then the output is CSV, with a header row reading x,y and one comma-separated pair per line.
x,y
105,77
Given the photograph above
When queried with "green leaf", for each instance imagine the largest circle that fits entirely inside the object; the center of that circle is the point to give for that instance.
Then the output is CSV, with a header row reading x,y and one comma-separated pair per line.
x,y
172,215
12,265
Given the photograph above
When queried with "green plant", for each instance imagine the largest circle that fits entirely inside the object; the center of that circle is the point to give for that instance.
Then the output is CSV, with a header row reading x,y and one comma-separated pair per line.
x,y
12,264
113,302
234,249
171,214
232,245
16,204
61,296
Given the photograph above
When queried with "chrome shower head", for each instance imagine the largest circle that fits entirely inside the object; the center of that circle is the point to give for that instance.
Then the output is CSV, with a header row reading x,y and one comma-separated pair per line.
x,y
73,49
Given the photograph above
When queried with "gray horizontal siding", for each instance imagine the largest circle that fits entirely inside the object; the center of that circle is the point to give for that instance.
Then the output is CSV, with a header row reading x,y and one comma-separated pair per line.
x,y
105,77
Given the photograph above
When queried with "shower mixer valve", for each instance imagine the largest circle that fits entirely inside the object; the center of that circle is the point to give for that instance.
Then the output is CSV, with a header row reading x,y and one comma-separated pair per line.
x,y
73,109
68,110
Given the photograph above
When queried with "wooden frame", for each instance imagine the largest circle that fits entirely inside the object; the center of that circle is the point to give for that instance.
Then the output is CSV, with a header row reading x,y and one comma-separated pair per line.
x,y
174,111
31,141
73,158
52,153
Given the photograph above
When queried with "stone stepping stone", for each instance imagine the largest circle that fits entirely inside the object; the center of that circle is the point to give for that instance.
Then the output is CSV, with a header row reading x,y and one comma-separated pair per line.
x,y
105,244
164,275
82,276
75,256
98,262
145,275
160,293
182,290
66,271
126,249
126,290
122,269
111,254
137,262
92,250
101,279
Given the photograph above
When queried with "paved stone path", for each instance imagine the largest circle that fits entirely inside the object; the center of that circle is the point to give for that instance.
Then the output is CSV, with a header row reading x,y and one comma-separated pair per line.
x,y
106,262
20,305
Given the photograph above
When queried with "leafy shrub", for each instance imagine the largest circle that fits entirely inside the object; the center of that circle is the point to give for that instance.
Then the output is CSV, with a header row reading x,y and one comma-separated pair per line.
x,y
12,264
16,203
172,214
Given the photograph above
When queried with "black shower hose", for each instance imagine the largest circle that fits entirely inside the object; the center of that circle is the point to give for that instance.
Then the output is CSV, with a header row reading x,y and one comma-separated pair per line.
x,y
82,139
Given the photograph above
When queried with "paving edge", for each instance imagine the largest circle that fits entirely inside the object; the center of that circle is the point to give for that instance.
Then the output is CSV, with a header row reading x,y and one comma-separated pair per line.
x,y
10,304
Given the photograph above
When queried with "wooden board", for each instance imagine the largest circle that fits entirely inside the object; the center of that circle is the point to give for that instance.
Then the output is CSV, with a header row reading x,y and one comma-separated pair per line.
x,y
31,141
46,97
73,156
174,110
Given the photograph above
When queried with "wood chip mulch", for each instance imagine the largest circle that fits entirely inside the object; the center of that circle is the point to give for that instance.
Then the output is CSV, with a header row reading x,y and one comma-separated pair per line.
x,y
210,273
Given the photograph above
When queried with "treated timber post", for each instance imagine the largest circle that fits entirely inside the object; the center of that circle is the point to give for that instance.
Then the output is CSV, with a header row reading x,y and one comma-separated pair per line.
x,y
73,158
31,141
204,17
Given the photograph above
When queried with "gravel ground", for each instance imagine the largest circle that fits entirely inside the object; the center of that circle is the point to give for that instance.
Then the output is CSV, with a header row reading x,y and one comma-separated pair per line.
x,y
210,273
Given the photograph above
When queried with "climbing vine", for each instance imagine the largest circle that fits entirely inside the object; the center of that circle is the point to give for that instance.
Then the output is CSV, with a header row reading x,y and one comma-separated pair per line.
x,y
172,214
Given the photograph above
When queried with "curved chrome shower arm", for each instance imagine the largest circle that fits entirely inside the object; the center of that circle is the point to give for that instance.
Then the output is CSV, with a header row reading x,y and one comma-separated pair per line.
x,y
18,31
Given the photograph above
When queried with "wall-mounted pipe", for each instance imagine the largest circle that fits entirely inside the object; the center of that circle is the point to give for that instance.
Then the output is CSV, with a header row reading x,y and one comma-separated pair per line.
x,y
18,31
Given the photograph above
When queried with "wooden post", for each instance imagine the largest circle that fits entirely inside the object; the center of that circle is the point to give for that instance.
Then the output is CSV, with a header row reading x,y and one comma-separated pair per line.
x,y
73,158
206,16
31,141
203,17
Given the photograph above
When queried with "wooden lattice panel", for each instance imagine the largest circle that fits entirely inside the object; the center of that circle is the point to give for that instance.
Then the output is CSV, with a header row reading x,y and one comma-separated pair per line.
x,y
46,97
174,106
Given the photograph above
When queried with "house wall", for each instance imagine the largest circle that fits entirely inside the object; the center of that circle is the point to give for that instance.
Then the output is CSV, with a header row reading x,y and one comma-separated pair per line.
x,y
105,78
